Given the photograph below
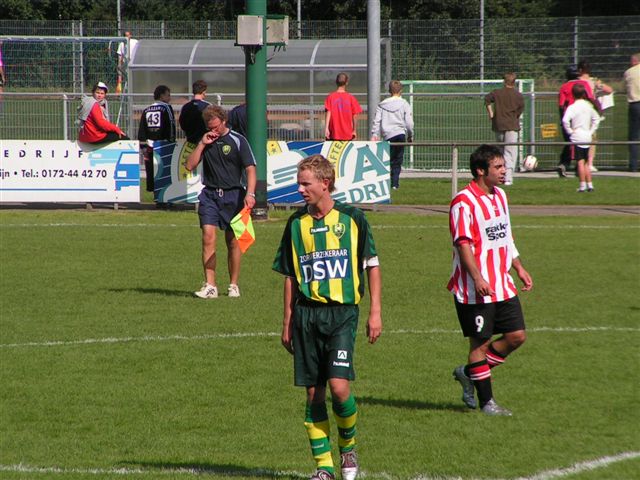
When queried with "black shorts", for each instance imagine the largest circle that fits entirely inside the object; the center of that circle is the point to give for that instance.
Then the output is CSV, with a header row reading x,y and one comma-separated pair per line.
x,y
324,338
218,207
483,320
111,137
579,153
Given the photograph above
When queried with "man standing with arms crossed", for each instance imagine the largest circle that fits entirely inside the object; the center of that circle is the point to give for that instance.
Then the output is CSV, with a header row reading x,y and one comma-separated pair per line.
x,y
484,292
326,248
225,155
505,120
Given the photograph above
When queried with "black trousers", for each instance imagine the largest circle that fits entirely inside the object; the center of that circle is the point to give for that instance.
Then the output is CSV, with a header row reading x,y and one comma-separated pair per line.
x,y
397,156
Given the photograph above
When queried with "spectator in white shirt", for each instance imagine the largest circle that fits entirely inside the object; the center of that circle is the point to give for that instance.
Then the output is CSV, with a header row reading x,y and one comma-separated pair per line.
x,y
580,121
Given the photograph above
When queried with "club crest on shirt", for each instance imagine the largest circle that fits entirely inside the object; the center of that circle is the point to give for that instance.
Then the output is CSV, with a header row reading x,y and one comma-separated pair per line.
x,y
226,149
338,229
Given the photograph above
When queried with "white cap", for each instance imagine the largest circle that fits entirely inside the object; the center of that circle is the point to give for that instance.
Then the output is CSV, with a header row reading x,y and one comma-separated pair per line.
x,y
103,86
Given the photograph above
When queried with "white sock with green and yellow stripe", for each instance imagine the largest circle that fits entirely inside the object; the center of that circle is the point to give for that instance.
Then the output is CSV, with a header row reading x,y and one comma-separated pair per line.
x,y
317,424
346,415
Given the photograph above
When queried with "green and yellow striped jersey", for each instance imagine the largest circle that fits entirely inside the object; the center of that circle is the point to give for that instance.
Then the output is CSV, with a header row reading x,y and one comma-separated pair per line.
x,y
326,256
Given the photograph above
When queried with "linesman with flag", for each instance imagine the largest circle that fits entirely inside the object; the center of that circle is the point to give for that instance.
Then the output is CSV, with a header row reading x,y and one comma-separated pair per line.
x,y
226,156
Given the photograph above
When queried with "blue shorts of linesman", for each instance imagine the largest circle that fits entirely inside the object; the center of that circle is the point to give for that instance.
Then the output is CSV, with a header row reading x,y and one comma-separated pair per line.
x,y
218,206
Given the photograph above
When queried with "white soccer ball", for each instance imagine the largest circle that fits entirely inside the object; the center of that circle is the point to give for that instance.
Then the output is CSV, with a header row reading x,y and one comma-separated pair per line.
x,y
529,163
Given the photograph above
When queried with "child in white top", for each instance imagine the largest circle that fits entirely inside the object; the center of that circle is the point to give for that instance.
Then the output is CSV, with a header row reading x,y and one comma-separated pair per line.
x,y
581,120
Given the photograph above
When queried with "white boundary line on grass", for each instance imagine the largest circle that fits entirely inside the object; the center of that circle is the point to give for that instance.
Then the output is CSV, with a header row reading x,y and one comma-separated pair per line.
x,y
216,336
146,338
582,466
588,465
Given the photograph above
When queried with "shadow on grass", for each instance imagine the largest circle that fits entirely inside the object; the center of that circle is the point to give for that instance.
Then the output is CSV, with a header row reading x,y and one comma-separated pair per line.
x,y
155,291
211,469
411,404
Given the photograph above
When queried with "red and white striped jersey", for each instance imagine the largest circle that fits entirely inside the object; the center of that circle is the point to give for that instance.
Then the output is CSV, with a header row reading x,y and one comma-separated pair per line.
x,y
482,220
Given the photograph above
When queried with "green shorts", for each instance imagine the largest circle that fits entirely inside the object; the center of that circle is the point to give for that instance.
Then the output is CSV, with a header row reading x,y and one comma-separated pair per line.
x,y
324,338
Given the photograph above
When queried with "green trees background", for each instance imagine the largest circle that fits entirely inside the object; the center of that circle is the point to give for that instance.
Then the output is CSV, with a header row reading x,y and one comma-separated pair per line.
x,y
311,9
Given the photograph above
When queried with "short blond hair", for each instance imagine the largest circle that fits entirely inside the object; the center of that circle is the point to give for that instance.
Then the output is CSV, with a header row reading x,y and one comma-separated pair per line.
x,y
395,87
321,168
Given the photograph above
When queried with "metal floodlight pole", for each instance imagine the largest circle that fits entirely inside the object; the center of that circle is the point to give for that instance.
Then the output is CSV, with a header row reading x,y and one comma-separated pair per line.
x,y
119,18
575,40
482,44
299,19
373,59
256,97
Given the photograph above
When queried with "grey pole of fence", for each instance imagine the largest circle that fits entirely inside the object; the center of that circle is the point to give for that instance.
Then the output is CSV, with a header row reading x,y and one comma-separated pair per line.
x,y
119,17
454,171
299,12
576,39
532,121
482,43
373,60
65,116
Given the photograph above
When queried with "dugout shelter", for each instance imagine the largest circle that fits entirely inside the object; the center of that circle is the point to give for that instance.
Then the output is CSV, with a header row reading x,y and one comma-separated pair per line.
x,y
299,75
303,66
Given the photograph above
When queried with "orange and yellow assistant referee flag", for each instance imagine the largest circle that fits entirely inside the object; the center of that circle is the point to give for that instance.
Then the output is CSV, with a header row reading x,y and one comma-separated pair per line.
x,y
243,229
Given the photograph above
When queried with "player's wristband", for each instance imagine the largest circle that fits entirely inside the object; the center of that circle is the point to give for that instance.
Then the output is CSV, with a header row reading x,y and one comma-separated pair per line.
x,y
251,194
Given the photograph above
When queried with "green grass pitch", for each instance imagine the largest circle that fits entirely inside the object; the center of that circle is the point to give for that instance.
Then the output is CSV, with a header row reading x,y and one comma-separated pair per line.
x,y
111,369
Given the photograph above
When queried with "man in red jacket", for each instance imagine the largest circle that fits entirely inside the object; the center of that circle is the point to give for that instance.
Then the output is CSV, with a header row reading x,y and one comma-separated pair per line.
x,y
95,126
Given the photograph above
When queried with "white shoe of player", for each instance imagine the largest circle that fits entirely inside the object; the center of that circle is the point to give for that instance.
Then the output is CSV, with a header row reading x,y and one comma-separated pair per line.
x,y
233,291
207,291
349,465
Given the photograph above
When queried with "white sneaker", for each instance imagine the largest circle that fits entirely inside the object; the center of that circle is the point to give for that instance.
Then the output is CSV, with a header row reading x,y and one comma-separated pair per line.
x,y
207,291
349,465
234,290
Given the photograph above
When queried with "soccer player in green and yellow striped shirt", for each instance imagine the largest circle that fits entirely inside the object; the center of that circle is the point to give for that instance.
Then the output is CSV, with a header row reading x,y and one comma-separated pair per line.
x,y
326,248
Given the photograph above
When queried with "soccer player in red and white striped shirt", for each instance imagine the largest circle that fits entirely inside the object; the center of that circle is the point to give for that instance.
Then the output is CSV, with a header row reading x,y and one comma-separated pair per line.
x,y
485,294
